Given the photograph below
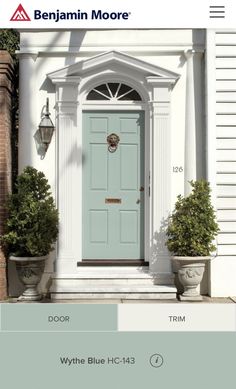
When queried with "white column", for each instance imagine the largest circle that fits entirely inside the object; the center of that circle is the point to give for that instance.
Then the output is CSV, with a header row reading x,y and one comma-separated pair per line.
x,y
28,120
69,177
160,182
190,125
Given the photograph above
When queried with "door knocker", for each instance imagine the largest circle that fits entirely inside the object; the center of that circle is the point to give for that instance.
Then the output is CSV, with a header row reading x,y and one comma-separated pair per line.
x,y
112,141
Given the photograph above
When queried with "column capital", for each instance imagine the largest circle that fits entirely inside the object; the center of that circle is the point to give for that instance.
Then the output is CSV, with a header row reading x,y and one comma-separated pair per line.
x,y
160,108
66,108
67,92
164,82
27,55
64,81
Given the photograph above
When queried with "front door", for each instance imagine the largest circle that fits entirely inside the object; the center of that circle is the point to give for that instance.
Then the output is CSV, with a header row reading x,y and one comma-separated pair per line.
x,y
113,186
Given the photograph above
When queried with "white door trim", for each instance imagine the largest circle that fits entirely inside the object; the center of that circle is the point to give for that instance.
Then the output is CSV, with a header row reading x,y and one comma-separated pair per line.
x,y
135,107
71,90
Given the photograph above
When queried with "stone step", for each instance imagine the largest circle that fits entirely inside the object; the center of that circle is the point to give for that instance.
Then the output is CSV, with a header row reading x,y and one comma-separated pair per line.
x,y
104,275
113,296
92,281
118,288
116,291
108,272
113,283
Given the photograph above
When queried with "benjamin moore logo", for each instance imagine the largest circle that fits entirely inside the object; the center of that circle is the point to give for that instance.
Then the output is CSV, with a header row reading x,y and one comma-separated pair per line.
x,y
20,15
98,14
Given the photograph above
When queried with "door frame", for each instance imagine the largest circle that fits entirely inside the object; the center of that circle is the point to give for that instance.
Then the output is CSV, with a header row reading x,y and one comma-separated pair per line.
x,y
141,107
154,84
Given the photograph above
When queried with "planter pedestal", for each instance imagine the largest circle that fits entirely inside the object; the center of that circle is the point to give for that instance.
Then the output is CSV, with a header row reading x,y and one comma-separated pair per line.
x,y
190,272
30,271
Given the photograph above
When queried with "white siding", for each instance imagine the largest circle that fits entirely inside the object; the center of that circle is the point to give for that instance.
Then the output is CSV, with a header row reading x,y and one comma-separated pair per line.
x,y
225,74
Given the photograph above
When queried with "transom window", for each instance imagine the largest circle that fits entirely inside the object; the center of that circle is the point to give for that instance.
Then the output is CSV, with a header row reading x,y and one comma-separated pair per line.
x,y
114,91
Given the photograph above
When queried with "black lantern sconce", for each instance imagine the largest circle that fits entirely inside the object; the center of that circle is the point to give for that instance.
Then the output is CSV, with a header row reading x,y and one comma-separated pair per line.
x,y
46,127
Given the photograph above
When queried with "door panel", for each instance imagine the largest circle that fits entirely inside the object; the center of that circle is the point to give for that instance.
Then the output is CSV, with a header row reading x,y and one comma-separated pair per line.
x,y
98,226
129,167
99,168
113,205
129,226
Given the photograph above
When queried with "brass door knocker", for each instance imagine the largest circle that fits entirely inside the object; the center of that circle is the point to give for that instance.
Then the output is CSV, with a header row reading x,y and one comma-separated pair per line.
x,y
112,141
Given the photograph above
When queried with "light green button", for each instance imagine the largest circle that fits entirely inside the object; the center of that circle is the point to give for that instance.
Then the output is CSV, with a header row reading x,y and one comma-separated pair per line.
x,y
59,317
190,360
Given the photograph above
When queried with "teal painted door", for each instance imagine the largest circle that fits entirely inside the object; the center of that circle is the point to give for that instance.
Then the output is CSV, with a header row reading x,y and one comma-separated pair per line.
x,y
113,182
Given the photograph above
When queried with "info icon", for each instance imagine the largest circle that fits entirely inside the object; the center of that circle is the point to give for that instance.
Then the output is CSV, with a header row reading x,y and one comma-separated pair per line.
x,y
156,360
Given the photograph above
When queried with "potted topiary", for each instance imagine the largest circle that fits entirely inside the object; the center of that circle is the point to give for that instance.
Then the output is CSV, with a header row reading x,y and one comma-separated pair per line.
x,y
191,230
31,229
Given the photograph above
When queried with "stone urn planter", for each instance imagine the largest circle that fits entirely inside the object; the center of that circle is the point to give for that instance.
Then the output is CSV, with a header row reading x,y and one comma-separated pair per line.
x,y
190,272
31,229
30,271
192,228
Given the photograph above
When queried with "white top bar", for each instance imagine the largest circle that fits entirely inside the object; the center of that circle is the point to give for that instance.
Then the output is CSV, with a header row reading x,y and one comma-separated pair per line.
x,y
74,14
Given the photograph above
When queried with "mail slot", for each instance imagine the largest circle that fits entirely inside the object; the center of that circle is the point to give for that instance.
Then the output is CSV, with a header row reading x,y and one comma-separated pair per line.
x,y
113,201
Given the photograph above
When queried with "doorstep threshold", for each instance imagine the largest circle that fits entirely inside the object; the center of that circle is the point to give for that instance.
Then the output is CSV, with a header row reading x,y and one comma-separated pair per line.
x,y
112,262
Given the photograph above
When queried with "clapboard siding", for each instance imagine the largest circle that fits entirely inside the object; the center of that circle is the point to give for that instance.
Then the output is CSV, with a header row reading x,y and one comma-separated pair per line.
x,y
226,97
226,238
226,155
226,132
225,74
227,144
225,141
223,62
226,120
225,38
226,203
226,249
226,167
226,85
226,190
229,227
226,215
226,178
225,107
226,51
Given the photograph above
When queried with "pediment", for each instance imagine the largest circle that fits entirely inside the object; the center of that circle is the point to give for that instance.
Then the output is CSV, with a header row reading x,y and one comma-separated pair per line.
x,y
109,60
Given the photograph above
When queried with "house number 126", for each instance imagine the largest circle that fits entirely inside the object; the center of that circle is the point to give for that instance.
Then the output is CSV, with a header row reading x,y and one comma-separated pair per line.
x,y
178,169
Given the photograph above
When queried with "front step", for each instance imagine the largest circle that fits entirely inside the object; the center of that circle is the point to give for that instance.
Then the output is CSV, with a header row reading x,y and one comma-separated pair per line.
x,y
107,283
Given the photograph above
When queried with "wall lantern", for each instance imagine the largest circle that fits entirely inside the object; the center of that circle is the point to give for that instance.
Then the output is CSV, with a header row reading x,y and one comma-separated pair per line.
x,y
46,127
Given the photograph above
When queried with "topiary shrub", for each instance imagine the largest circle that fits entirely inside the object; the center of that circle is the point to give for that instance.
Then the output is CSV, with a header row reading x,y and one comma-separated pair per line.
x,y
192,226
32,223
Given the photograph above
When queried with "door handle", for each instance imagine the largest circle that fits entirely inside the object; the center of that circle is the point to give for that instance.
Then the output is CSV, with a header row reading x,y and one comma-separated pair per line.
x,y
141,188
138,201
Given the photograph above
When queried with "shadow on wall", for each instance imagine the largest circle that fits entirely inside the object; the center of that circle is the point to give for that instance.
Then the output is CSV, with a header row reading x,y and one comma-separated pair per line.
x,y
39,146
15,287
158,248
198,40
75,43
199,88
